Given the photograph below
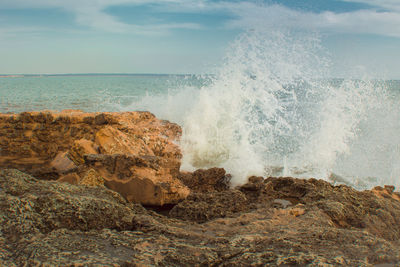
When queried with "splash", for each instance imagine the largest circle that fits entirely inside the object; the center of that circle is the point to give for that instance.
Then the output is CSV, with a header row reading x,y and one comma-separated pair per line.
x,y
273,109
242,119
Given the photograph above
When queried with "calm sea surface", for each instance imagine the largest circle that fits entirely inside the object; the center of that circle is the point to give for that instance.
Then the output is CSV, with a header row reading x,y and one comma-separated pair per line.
x,y
87,93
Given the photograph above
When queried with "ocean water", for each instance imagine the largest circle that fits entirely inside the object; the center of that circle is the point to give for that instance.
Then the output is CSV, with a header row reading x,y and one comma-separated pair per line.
x,y
271,109
87,92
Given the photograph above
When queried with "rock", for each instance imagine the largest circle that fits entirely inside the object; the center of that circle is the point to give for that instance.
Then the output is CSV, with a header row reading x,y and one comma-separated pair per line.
x,y
46,223
211,180
202,207
386,192
80,148
144,179
46,206
92,178
389,188
112,141
136,153
298,210
342,206
253,189
62,163
71,178
254,183
102,119
281,203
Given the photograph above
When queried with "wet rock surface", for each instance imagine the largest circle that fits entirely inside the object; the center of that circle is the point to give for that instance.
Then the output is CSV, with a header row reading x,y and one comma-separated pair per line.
x,y
206,180
274,221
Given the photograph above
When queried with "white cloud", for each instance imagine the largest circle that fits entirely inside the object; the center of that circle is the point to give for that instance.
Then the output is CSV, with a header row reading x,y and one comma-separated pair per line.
x,y
385,4
364,21
382,19
370,21
91,13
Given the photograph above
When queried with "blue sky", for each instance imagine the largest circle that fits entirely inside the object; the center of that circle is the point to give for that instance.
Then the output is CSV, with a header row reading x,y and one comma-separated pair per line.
x,y
187,36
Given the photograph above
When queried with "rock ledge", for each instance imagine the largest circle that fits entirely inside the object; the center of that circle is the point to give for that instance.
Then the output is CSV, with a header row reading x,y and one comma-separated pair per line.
x,y
132,153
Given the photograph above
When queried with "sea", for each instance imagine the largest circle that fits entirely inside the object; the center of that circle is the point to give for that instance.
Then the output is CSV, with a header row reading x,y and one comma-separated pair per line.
x,y
271,108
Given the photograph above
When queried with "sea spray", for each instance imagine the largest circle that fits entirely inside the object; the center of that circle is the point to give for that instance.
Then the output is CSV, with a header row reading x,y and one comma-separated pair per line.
x,y
340,111
243,119
374,154
273,109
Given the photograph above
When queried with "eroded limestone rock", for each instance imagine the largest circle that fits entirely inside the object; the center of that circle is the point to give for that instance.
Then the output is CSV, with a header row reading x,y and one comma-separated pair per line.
x,y
46,223
132,153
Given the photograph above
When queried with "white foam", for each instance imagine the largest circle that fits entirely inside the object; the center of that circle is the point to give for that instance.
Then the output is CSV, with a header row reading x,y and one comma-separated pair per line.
x,y
271,106
273,109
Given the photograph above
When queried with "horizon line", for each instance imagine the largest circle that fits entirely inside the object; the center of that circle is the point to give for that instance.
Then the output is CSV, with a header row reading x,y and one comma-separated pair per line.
x,y
90,73
22,75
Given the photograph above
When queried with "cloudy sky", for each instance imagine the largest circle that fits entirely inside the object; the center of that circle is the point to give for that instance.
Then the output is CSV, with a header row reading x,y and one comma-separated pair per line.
x,y
187,36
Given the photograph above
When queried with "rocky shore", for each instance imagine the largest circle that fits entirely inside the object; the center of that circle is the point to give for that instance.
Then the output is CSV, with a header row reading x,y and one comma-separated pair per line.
x,y
105,189
132,153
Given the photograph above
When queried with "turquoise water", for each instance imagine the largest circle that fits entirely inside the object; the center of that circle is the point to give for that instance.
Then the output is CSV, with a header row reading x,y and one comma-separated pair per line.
x,y
96,93
87,93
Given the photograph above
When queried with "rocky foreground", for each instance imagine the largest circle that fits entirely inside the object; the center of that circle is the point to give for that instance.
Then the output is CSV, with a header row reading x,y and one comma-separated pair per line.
x,y
108,191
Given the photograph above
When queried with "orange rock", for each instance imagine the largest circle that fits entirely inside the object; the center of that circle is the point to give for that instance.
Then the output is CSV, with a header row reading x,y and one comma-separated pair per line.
x,y
150,192
297,211
62,163
137,154
92,178
113,141
71,178
386,192
81,148
148,180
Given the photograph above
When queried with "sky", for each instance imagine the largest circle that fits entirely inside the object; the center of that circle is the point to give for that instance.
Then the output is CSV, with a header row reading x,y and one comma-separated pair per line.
x,y
187,36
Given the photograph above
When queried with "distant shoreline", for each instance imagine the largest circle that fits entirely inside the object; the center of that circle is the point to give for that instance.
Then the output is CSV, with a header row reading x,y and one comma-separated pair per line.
x,y
11,76
89,74
135,75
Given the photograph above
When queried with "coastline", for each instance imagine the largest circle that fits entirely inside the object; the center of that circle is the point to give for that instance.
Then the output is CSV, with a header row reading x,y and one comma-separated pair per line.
x,y
79,160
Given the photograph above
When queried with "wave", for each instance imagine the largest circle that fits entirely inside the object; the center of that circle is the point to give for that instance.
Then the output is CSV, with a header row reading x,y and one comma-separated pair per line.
x,y
273,109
